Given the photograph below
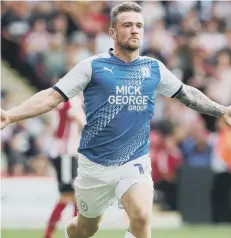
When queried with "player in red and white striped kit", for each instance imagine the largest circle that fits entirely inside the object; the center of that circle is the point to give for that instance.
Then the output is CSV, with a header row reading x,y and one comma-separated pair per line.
x,y
68,120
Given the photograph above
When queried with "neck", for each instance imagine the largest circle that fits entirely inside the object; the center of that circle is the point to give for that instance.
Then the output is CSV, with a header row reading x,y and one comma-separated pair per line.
x,y
126,55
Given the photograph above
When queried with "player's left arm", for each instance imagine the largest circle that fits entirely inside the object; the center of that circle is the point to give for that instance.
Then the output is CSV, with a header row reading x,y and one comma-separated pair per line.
x,y
196,100
170,86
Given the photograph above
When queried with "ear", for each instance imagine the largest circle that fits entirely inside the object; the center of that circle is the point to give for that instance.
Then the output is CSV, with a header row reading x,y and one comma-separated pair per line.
x,y
112,33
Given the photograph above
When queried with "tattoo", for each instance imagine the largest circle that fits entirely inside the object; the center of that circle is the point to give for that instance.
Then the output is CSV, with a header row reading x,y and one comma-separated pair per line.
x,y
196,100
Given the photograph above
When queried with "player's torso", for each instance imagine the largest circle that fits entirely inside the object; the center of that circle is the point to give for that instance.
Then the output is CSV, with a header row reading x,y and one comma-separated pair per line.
x,y
130,85
119,103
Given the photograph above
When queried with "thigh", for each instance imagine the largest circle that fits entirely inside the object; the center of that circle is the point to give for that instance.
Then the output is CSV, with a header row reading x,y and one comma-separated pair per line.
x,y
67,197
137,201
93,196
135,188
82,223
93,223
134,172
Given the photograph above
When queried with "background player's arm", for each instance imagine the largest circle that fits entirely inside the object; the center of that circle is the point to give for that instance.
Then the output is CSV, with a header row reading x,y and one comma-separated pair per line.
x,y
76,112
40,103
79,118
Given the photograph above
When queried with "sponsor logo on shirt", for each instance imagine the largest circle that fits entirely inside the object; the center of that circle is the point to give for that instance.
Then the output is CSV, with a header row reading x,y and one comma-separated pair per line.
x,y
131,96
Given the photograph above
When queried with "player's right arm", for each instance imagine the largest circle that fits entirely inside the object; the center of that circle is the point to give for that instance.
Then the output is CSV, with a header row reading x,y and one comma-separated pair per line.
x,y
40,103
67,87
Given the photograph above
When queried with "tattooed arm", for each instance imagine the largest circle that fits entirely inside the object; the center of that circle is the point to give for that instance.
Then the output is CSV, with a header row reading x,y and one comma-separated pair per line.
x,y
196,100
170,86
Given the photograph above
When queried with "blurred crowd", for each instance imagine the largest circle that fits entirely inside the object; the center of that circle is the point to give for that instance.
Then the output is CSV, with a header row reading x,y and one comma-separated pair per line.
x,y
193,39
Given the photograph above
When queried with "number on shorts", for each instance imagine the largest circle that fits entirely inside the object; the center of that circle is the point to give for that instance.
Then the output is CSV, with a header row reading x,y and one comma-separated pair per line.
x,y
140,167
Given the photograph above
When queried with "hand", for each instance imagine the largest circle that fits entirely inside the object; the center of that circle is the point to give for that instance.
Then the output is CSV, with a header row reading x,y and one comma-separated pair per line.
x,y
4,119
227,116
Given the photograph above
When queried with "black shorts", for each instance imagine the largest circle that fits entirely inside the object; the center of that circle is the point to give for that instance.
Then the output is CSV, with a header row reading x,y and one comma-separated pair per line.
x,y
66,171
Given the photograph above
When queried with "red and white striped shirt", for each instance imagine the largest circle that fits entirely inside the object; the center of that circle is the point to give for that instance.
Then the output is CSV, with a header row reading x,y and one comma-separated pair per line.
x,y
67,131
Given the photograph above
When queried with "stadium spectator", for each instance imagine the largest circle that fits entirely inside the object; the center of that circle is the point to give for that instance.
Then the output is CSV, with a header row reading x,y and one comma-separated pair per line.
x,y
196,149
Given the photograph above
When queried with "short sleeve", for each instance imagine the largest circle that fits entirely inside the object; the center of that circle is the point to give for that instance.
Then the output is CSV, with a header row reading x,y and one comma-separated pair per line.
x,y
169,84
76,80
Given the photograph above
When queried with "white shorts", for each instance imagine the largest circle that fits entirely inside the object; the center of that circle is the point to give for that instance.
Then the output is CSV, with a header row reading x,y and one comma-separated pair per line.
x,y
97,186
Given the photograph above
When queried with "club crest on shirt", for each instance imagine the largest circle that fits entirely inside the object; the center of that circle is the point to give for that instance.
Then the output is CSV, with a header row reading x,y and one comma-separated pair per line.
x,y
146,72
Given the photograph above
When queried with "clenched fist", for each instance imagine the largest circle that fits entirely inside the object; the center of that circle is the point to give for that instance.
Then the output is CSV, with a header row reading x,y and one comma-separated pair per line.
x,y
227,116
4,119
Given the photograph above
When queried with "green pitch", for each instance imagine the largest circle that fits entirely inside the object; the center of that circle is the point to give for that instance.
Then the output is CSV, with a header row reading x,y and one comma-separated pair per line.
x,y
186,232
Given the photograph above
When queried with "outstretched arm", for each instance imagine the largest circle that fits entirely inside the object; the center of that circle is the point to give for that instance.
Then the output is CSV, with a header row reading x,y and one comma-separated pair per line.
x,y
170,86
38,104
67,87
196,100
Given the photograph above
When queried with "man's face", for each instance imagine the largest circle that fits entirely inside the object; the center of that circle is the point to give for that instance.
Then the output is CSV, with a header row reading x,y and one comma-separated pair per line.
x,y
128,31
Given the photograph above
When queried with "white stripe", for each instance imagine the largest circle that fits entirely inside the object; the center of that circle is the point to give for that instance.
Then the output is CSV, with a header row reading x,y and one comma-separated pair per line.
x,y
66,235
66,170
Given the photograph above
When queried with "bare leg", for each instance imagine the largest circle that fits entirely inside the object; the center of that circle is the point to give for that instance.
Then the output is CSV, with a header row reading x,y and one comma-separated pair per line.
x,y
82,227
137,202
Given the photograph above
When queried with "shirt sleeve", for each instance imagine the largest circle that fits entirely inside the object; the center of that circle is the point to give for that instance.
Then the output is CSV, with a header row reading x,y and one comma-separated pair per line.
x,y
169,84
76,80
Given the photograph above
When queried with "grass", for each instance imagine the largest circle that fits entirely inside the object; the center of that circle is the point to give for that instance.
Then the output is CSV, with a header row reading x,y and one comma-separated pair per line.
x,y
185,232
